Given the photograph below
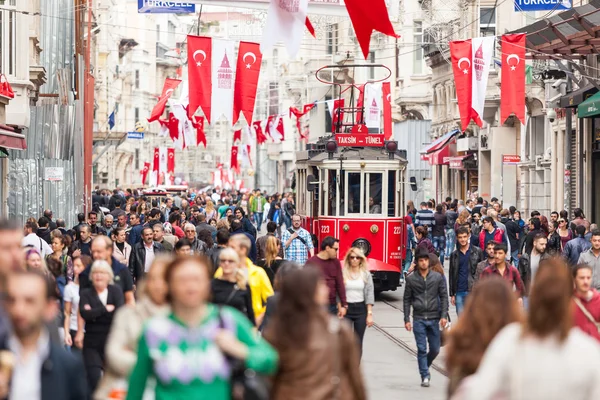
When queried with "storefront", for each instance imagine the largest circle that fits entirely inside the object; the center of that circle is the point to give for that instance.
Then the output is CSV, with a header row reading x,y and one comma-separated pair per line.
x,y
466,174
590,110
437,154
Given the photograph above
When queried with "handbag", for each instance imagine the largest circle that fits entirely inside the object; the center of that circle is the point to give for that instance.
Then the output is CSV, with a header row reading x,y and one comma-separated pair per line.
x,y
586,313
246,384
5,88
336,379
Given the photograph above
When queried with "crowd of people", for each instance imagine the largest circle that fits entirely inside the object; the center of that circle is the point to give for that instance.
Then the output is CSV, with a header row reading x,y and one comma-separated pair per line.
x,y
526,293
179,296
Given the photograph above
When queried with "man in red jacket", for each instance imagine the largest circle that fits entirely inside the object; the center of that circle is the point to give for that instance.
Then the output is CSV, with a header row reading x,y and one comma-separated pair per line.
x,y
586,302
490,232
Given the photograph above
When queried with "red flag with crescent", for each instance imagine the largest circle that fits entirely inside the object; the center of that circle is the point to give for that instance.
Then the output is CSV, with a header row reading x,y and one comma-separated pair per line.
x,y
198,123
279,127
246,80
462,60
145,172
260,136
199,75
234,164
173,126
366,17
171,160
237,136
512,90
155,167
168,88
387,111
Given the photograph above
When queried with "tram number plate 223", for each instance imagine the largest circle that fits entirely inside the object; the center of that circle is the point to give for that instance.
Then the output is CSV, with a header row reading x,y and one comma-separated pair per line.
x,y
325,228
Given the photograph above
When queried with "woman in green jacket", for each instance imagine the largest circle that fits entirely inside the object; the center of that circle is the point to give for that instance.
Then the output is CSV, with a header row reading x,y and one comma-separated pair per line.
x,y
187,352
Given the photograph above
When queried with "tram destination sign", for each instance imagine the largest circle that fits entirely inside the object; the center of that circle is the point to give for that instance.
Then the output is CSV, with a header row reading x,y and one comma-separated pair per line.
x,y
359,140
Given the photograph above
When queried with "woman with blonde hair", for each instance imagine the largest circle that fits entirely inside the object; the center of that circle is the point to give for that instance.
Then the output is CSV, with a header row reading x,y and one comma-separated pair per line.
x,y
121,346
97,306
223,223
210,211
546,357
272,261
360,293
35,262
231,288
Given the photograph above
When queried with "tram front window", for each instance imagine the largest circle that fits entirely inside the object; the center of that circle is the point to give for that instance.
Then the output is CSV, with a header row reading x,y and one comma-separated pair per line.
x,y
374,193
353,192
332,193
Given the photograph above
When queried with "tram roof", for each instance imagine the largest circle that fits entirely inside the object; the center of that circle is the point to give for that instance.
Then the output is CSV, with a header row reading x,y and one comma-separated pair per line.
x,y
351,154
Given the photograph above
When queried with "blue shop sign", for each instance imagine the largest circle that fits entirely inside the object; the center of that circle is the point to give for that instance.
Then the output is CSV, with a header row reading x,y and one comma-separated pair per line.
x,y
542,5
135,135
165,7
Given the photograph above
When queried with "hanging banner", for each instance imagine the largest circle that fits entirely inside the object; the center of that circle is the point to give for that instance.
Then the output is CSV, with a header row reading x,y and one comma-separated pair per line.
x,y
373,106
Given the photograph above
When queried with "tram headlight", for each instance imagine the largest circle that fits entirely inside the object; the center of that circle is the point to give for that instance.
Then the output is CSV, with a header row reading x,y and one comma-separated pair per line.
x,y
391,147
363,244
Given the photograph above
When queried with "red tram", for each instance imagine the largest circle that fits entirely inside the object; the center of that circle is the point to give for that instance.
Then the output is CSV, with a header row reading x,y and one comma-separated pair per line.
x,y
350,186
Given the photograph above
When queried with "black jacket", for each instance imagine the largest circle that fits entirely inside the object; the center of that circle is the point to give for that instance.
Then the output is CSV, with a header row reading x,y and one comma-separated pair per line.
x,y
137,260
97,319
475,258
525,270
248,227
554,245
428,297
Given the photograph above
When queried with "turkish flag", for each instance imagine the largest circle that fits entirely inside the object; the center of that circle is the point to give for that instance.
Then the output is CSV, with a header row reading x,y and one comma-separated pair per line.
x,y
173,125
246,80
387,111
260,136
299,114
269,128
171,160
155,168
366,17
512,90
462,60
237,136
168,88
234,164
336,111
279,127
198,123
145,172
199,74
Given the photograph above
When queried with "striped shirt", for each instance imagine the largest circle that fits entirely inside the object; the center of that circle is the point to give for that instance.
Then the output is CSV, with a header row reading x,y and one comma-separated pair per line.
x,y
424,218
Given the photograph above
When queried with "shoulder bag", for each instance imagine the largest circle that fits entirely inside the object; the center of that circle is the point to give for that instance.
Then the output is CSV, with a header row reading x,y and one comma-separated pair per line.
x,y
300,238
246,384
586,313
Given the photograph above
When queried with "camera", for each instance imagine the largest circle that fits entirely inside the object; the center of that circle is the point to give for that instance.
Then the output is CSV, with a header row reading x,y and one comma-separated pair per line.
x,y
551,114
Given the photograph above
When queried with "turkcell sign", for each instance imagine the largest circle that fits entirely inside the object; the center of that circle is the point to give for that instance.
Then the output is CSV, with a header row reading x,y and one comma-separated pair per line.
x,y
165,7
542,5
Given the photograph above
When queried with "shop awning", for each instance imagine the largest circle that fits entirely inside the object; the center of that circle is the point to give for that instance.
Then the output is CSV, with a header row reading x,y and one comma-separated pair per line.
x,y
437,145
457,162
576,97
10,138
590,107
441,156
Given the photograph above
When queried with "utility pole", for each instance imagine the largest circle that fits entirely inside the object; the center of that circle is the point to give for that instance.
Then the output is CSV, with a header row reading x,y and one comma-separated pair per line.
x,y
88,113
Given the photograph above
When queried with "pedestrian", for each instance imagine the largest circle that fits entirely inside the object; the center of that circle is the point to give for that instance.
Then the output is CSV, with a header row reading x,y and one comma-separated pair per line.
x,y
289,210
121,249
210,211
231,287
32,240
198,246
490,232
272,261
257,207
424,217
360,293
463,267
60,244
222,241
206,333
501,267
438,232
159,237
71,300
237,229
554,246
297,242
490,307
423,242
513,233
580,220
427,295
127,325
83,246
317,352
135,233
258,281
476,226
575,247
535,227
41,369
43,230
529,263
247,226
452,217
545,358
273,301
591,257
261,242
586,300
35,262
143,254
328,263
183,248
97,306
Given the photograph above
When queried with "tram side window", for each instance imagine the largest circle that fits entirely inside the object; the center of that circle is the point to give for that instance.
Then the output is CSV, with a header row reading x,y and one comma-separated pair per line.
x,y
331,192
391,193
375,185
353,192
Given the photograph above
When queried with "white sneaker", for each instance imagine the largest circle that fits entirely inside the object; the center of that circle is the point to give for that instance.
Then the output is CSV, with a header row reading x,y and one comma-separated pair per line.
x,y
425,382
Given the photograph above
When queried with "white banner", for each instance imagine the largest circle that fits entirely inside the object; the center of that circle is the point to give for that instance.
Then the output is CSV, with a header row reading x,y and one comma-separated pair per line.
x,y
482,50
373,105
224,63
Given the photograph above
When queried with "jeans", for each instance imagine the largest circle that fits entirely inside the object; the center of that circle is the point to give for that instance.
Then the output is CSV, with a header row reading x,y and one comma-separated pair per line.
x,y
259,219
439,243
515,257
408,261
287,220
461,297
426,332
357,315
450,241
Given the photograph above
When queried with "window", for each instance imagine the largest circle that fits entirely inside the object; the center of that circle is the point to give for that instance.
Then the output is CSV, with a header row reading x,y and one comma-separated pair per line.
x,y
328,119
332,183
137,78
332,39
373,194
8,34
171,36
418,47
391,193
354,193
137,159
137,114
158,33
273,98
487,21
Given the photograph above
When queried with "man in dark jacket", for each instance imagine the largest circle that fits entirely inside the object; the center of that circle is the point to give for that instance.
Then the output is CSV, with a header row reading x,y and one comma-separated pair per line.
x,y
44,230
236,227
48,214
463,266
529,263
115,200
246,224
135,234
143,254
576,246
61,375
427,294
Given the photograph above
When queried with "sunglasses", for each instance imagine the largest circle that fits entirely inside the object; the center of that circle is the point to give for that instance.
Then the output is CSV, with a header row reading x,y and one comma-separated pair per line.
x,y
355,257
